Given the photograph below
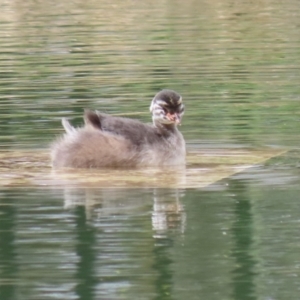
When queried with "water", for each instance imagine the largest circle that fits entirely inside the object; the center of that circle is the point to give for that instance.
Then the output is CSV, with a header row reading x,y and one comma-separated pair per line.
x,y
237,239
235,64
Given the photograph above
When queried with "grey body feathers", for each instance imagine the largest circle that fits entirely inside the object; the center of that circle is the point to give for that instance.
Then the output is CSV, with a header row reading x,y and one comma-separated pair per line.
x,y
117,142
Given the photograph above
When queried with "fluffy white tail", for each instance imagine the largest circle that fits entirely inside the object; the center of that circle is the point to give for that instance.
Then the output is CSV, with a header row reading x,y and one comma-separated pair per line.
x,y
67,126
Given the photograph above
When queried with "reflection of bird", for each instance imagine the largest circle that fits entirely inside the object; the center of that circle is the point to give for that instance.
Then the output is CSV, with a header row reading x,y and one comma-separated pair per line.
x,y
108,141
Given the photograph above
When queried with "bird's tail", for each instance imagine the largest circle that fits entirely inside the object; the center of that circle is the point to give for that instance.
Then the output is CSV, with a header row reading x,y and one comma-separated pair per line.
x,y
67,126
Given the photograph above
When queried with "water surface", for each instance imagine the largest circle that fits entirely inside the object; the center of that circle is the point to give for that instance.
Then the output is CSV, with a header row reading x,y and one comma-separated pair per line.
x,y
235,64
236,239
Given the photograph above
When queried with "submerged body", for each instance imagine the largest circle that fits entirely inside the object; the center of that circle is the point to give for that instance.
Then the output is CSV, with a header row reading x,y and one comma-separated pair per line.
x,y
107,141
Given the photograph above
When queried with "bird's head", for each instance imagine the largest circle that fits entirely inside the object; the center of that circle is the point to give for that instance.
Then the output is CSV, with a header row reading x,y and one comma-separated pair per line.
x,y
167,108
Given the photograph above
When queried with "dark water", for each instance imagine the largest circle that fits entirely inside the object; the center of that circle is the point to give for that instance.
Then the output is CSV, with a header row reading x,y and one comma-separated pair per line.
x,y
236,65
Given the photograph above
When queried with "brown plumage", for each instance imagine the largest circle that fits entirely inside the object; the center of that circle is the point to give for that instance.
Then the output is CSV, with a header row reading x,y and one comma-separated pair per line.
x,y
108,141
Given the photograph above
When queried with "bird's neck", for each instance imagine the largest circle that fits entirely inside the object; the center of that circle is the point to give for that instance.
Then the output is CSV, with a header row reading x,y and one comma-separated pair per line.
x,y
165,127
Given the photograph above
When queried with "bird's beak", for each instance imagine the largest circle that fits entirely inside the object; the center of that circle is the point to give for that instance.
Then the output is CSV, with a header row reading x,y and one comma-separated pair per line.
x,y
177,119
174,118
178,122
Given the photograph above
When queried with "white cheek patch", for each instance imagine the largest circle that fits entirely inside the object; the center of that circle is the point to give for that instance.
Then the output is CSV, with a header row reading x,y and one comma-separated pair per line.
x,y
157,109
159,113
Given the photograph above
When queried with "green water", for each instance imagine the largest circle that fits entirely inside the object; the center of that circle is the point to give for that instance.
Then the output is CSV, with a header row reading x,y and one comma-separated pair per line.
x,y
236,65
237,239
